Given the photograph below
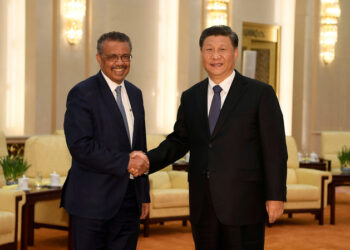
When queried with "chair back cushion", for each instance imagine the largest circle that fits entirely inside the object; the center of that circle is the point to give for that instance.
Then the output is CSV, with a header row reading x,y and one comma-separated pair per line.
x,y
46,154
160,180
153,141
293,159
331,143
3,145
179,179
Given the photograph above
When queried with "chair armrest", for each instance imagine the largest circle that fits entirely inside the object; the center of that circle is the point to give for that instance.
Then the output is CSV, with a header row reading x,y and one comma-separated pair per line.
x,y
8,199
328,162
12,201
318,178
312,176
2,180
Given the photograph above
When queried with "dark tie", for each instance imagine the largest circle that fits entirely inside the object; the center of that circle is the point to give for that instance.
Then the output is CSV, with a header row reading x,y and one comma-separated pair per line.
x,y
122,110
215,107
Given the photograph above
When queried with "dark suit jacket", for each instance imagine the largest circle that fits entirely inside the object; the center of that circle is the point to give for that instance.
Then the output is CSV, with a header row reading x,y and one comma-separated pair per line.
x,y
246,154
99,145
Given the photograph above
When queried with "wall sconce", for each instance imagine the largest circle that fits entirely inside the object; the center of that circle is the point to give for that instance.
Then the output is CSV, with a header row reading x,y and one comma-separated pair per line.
x,y
73,13
330,12
216,12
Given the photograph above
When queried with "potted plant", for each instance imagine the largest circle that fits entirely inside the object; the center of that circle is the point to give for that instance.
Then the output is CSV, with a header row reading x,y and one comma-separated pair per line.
x,y
13,167
344,158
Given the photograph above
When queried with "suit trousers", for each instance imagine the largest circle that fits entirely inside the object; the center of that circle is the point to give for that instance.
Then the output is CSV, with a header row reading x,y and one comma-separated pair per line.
x,y
119,232
210,234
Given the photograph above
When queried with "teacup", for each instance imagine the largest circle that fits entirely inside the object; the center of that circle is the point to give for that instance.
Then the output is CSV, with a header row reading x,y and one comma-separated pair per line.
x,y
55,179
314,157
23,183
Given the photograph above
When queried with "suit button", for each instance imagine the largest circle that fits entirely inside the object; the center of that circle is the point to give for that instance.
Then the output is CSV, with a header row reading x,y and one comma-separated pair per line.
x,y
210,145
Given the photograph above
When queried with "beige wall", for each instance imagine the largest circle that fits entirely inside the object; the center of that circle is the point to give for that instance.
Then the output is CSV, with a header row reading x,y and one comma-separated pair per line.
x,y
321,92
58,66
53,67
39,36
12,66
273,12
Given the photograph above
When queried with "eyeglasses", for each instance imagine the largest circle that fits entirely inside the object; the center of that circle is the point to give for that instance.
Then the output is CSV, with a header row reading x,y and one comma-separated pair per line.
x,y
115,58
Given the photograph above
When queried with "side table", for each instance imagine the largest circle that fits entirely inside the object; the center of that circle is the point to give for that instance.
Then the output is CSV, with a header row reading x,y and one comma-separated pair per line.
x,y
33,196
342,179
181,166
314,165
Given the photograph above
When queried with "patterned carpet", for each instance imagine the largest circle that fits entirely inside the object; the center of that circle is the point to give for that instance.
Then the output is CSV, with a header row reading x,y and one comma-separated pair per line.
x,y
301,232
343,190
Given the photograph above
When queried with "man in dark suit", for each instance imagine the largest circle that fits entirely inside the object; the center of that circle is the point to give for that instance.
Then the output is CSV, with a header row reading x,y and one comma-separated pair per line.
x,y
103,123
233,127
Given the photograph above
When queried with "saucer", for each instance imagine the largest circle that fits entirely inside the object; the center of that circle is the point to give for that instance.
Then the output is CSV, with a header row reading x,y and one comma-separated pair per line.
x,y
58,185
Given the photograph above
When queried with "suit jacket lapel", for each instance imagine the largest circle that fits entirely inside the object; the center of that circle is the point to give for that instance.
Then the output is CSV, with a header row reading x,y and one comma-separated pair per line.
x,y
203,105
236,91
110,101
132,99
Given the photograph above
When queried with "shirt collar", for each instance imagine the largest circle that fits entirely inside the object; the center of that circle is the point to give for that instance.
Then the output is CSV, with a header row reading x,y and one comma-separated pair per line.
x,y
225,84
112,85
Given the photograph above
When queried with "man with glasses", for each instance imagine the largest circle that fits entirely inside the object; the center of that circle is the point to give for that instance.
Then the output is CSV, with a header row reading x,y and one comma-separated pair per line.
x,y
104,122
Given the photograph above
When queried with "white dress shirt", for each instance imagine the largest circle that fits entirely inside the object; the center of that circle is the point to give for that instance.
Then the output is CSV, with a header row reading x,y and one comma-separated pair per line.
x,y
126,103
225,85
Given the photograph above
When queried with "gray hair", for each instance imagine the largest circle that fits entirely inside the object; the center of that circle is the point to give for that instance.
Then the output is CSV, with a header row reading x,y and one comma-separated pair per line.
x,y
112,36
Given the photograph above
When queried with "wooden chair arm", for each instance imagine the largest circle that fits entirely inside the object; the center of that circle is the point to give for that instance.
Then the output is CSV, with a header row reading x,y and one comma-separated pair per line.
x,y
329,163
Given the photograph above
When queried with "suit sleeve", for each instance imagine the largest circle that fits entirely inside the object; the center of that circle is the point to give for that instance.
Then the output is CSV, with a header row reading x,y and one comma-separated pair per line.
x,y
273,144
173,147
79,131
144,178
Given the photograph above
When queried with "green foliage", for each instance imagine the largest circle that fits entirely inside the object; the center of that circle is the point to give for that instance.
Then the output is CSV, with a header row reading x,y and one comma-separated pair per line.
x,y
344,156
13,167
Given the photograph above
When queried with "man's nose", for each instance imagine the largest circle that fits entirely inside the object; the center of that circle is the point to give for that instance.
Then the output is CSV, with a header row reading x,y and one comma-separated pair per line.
x,y
216,54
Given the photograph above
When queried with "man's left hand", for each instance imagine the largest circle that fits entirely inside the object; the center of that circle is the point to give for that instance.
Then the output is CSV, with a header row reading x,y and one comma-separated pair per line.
x,y
144,210
274,210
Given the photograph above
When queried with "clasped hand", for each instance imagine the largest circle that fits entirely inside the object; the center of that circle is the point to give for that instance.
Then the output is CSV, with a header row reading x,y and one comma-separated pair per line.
x,y
138,163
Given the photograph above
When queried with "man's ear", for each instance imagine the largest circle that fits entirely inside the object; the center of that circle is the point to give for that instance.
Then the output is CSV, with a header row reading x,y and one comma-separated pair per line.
x,y
98,58
235,54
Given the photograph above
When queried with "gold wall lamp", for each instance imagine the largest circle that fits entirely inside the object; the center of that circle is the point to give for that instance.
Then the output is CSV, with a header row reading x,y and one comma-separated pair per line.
x,y
330,12
73,13
216,12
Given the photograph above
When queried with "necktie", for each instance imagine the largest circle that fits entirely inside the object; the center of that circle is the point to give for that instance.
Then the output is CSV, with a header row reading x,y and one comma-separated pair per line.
x,y
215,107
122,110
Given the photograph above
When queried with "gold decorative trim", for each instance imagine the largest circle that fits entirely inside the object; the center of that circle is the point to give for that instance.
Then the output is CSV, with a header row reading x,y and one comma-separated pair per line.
x,y
15,145
267,39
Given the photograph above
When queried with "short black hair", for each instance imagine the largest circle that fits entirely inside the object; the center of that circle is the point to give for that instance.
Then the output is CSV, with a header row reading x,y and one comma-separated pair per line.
x,y
112,36
219,30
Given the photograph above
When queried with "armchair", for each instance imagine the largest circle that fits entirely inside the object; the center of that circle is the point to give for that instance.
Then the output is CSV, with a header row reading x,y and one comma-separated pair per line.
x,y
331,143
11,202
46,154
168,191
169,198
306,188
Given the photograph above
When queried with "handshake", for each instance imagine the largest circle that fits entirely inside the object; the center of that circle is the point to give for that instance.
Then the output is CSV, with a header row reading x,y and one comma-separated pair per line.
x,y
138,163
